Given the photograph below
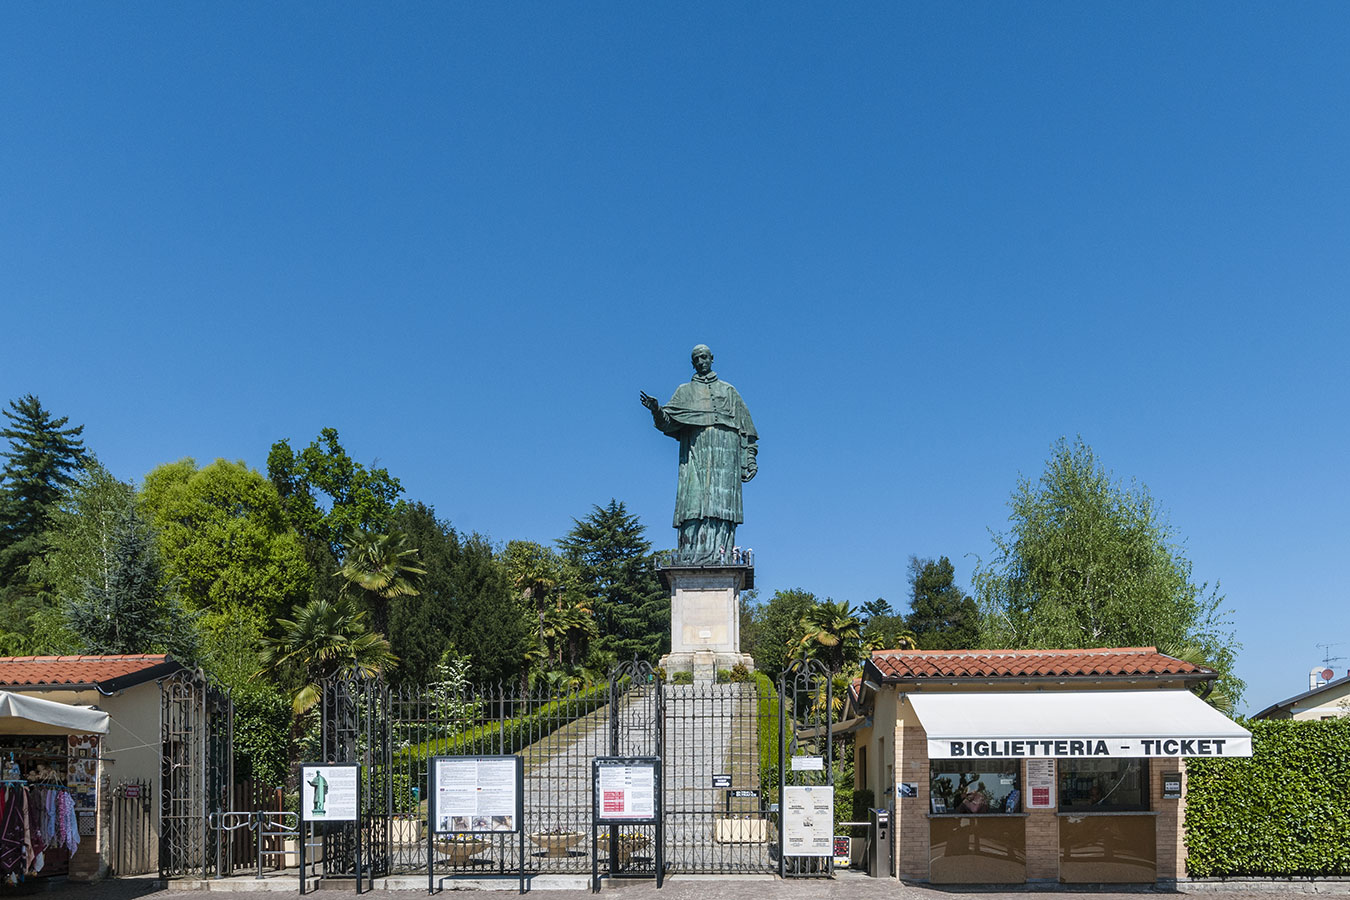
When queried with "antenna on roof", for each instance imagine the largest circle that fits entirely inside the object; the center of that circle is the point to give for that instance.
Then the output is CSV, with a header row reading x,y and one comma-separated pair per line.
x,y
1327,658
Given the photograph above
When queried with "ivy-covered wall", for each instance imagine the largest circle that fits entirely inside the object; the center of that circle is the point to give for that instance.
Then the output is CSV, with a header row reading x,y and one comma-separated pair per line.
x,y
1284,811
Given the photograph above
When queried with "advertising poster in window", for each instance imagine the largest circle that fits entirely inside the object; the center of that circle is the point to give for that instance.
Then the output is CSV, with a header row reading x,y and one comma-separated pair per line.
x,y
475,793
626,790
1040,784
329,793
808,821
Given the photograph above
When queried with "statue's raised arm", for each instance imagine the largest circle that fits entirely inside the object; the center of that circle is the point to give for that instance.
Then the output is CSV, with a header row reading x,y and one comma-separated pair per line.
x,y
718,451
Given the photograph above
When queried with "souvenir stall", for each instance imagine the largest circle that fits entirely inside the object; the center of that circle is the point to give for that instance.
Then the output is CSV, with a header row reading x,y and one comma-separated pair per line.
x,y
49,760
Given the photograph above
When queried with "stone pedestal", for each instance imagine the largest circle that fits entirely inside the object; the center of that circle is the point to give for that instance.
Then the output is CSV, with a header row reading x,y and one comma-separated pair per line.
x,y
705,622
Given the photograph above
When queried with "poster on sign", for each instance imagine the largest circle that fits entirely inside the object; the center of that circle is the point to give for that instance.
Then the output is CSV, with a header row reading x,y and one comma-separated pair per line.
x,y
475,793
329,793
626,790
808,821
1040,784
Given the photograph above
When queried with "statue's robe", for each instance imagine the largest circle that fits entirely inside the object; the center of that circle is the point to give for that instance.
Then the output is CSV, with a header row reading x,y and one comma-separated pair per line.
x,y
717,441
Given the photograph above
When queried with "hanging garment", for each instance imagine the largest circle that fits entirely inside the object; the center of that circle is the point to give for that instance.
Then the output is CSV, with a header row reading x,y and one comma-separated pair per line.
x,y
12,855
70,827
35,842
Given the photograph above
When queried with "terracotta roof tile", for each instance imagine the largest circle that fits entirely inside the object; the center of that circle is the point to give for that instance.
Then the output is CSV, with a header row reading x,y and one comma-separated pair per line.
x,y
47,671
1102,661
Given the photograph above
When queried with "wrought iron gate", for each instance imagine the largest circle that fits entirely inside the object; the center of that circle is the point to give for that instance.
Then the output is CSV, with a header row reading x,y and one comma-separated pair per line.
x,y
805,716
720,746
196,771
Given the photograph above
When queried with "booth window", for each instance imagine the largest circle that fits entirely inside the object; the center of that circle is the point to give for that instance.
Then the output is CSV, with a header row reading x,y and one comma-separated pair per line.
x,y
1103,785
972,788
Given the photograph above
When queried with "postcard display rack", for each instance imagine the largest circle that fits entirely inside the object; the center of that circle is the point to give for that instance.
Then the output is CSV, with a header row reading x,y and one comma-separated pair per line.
x,y
475,795
61,762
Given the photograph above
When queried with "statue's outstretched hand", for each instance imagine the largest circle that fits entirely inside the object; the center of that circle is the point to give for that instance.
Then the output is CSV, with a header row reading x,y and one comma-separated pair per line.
x,y
751,470
649,401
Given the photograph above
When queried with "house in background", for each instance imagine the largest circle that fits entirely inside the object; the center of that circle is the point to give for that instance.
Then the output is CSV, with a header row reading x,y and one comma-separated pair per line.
x,y
1330,700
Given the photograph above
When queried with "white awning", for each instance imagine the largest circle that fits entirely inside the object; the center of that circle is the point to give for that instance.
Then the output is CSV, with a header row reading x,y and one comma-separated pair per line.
x,y
21,714
1076,724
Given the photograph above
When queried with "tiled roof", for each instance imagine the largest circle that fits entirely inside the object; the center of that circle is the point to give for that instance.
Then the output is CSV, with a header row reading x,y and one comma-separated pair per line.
x,y
1104,661
109,672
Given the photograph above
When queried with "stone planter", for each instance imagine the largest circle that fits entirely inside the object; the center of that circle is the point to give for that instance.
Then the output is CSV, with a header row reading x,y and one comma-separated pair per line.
x,y
629,845
461,850
557,844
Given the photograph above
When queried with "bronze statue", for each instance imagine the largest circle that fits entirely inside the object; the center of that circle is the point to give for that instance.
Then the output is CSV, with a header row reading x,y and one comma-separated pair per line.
x,y
717,453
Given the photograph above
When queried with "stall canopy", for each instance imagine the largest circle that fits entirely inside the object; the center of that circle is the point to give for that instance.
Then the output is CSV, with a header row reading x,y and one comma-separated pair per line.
x,y
1076,724
20,714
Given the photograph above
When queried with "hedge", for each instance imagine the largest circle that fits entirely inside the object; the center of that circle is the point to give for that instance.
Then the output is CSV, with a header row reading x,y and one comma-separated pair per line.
x,y
514,734
1283,812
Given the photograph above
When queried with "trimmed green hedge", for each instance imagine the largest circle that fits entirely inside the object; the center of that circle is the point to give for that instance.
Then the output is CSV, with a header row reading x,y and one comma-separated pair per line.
x,y
514,734
1284,812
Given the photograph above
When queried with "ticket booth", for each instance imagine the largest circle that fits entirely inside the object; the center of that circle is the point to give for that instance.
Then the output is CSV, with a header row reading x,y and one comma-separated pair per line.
x,y
1026,766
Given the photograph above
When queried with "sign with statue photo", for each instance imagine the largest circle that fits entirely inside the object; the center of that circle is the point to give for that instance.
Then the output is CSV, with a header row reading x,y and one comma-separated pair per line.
x,y
330,793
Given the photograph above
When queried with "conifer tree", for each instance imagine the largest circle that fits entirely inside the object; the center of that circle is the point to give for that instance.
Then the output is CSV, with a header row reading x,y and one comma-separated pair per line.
x,y
44,453
615,562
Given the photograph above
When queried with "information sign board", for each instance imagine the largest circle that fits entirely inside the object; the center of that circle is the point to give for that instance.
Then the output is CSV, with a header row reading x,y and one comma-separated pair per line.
x,y
1040,784
808,821
626,790
330,793
472,794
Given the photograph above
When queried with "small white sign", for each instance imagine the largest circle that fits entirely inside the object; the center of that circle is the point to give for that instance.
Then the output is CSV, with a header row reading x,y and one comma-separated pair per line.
x,y
808,821
808,763
329,793
626,791
1040,793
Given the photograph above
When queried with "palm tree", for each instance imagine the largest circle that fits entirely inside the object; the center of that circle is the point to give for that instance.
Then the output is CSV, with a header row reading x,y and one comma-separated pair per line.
x,y
1213,693
324,638
382,567
833,634
904,639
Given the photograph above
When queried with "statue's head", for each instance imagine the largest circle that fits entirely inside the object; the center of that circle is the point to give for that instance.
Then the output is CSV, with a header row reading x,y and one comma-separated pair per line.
x,y
702,358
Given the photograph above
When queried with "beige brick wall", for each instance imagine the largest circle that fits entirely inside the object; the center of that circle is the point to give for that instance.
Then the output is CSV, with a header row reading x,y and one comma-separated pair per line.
x,y
1042,842
1171,819
911,830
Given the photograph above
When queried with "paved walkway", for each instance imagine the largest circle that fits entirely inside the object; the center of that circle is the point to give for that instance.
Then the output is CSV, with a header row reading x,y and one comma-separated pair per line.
x,y
847,886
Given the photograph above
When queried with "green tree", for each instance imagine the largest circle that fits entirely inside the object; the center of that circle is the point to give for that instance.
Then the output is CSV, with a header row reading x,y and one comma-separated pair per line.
x,y
354,498
941,615
126,607
549,586
321,640
42,461
465,601
778,630
232,554
1092,563
832,634
380,568
615,564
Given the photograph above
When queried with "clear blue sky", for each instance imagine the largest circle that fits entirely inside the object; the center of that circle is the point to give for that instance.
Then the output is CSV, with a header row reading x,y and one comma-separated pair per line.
x,y
923,240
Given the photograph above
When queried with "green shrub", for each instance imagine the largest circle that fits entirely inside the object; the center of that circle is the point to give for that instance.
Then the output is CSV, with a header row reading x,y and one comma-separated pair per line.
x,y
510,735
1283,812
682,678
767,719
724,676
740,674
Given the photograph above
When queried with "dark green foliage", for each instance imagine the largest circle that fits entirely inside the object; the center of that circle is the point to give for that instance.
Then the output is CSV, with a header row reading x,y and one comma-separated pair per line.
x,y
357,499
941,615
874,609
778,631
614,561
465,601
262,724
1091,563
43,456
125,606
1283,812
